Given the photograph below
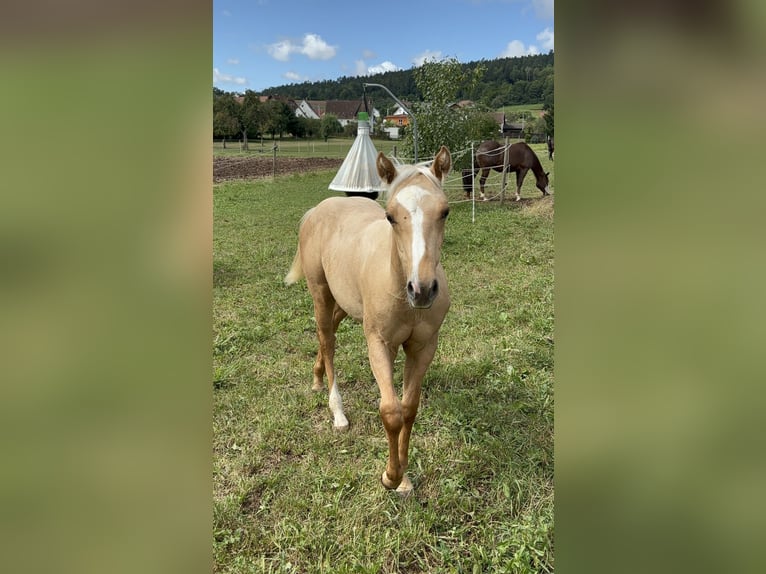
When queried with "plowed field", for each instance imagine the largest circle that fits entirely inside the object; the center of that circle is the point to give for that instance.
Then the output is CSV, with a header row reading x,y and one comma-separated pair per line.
x,y
228,168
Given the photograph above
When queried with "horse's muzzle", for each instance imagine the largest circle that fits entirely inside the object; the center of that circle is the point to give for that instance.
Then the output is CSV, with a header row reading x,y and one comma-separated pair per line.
x,y
421,295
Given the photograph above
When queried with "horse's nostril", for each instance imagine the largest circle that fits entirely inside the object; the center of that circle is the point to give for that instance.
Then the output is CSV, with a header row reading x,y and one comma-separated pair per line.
x,y
410,288
435,288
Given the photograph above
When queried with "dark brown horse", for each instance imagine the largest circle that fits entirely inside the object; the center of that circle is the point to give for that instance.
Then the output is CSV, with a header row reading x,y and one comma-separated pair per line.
x,y
490,155
549,141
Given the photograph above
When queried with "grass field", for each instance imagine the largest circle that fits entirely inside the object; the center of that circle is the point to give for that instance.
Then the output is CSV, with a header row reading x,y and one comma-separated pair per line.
x,y
533,108
290,495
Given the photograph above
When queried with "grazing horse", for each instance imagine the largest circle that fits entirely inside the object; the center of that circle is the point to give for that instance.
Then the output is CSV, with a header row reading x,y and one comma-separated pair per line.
x,y
382,268
549,141
490,155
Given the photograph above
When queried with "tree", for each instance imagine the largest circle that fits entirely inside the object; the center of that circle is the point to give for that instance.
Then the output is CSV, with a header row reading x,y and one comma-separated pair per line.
x,y
548,117
329,126
483,126
252,116
277,117
439,122
226,123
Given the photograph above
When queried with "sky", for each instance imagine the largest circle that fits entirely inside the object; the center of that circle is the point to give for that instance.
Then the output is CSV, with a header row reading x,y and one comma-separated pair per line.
x,y
259,44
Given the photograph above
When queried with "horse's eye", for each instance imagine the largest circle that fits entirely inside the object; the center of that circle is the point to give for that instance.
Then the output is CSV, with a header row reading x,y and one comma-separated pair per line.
x,y
390,219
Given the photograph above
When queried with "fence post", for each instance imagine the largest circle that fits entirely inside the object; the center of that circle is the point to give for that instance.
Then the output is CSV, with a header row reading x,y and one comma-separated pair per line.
x,y
505,172
473,185
274,162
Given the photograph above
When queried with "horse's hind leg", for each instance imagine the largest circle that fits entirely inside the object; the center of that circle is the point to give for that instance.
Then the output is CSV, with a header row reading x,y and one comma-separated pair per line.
x,y
319,370
328,315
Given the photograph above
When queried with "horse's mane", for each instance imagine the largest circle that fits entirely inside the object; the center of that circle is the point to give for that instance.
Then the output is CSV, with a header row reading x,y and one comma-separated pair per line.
x,y
406,171
537,166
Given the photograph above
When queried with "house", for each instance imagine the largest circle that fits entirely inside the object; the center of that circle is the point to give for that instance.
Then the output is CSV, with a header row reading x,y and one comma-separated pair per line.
x,y
304,109
462,104
399,118
345,110
512,130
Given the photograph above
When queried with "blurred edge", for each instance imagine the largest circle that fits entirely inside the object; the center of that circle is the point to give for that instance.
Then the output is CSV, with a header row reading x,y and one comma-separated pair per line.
x,y
660,273
105,240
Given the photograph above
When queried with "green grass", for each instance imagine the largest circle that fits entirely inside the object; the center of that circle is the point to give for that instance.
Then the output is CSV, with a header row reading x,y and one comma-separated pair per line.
x,y
523,108
291,495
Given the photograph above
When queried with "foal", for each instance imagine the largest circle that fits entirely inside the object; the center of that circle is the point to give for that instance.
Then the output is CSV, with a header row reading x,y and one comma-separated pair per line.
x,y
382,268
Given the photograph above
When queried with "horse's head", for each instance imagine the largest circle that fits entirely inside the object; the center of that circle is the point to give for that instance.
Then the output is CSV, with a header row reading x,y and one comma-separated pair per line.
x,y
543,183
417,210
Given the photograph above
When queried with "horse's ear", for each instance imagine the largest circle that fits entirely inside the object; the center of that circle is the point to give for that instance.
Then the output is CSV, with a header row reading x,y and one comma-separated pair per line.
x,y
547,173
386,169
442,163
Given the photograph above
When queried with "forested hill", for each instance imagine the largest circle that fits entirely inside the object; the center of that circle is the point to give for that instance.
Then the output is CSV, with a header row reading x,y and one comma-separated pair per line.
x,y
507,81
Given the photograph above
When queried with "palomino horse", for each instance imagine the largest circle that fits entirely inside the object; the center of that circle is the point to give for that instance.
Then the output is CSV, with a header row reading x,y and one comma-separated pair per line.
x,y
490,155
382,268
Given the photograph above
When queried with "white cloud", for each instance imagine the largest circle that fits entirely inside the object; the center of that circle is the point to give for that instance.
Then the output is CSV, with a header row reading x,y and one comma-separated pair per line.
x,y
281,50
294,77
420,59
383,67
316,48
233,61
312,46
516,48
369,55
546,39
219,78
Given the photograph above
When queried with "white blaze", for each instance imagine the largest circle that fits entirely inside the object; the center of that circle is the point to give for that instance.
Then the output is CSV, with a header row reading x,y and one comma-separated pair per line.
x,y
409,198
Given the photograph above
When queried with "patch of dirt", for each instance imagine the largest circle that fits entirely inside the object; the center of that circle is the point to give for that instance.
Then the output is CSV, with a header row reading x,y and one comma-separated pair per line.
x,y
229,168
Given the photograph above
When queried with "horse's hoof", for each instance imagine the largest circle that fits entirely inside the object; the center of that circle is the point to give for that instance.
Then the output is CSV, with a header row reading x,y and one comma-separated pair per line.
x,y
404,490
340,427
340,424
386,482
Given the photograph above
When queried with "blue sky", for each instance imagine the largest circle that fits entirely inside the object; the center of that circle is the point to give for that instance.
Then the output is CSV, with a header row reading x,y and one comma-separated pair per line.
x,y
258,44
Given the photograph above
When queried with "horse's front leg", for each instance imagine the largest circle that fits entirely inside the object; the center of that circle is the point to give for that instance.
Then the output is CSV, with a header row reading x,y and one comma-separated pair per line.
x,y
382,364
419,357
519,180
482,179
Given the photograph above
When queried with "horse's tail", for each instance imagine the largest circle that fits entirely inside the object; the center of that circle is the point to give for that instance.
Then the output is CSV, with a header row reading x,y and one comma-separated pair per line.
x,y
296,270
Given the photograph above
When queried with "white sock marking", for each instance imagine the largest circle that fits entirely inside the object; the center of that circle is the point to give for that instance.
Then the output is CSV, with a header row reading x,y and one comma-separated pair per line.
x,y
336,406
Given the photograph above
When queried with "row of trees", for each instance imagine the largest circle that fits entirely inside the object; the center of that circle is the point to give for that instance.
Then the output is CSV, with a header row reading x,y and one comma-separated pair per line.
x,y
246,117
504,81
